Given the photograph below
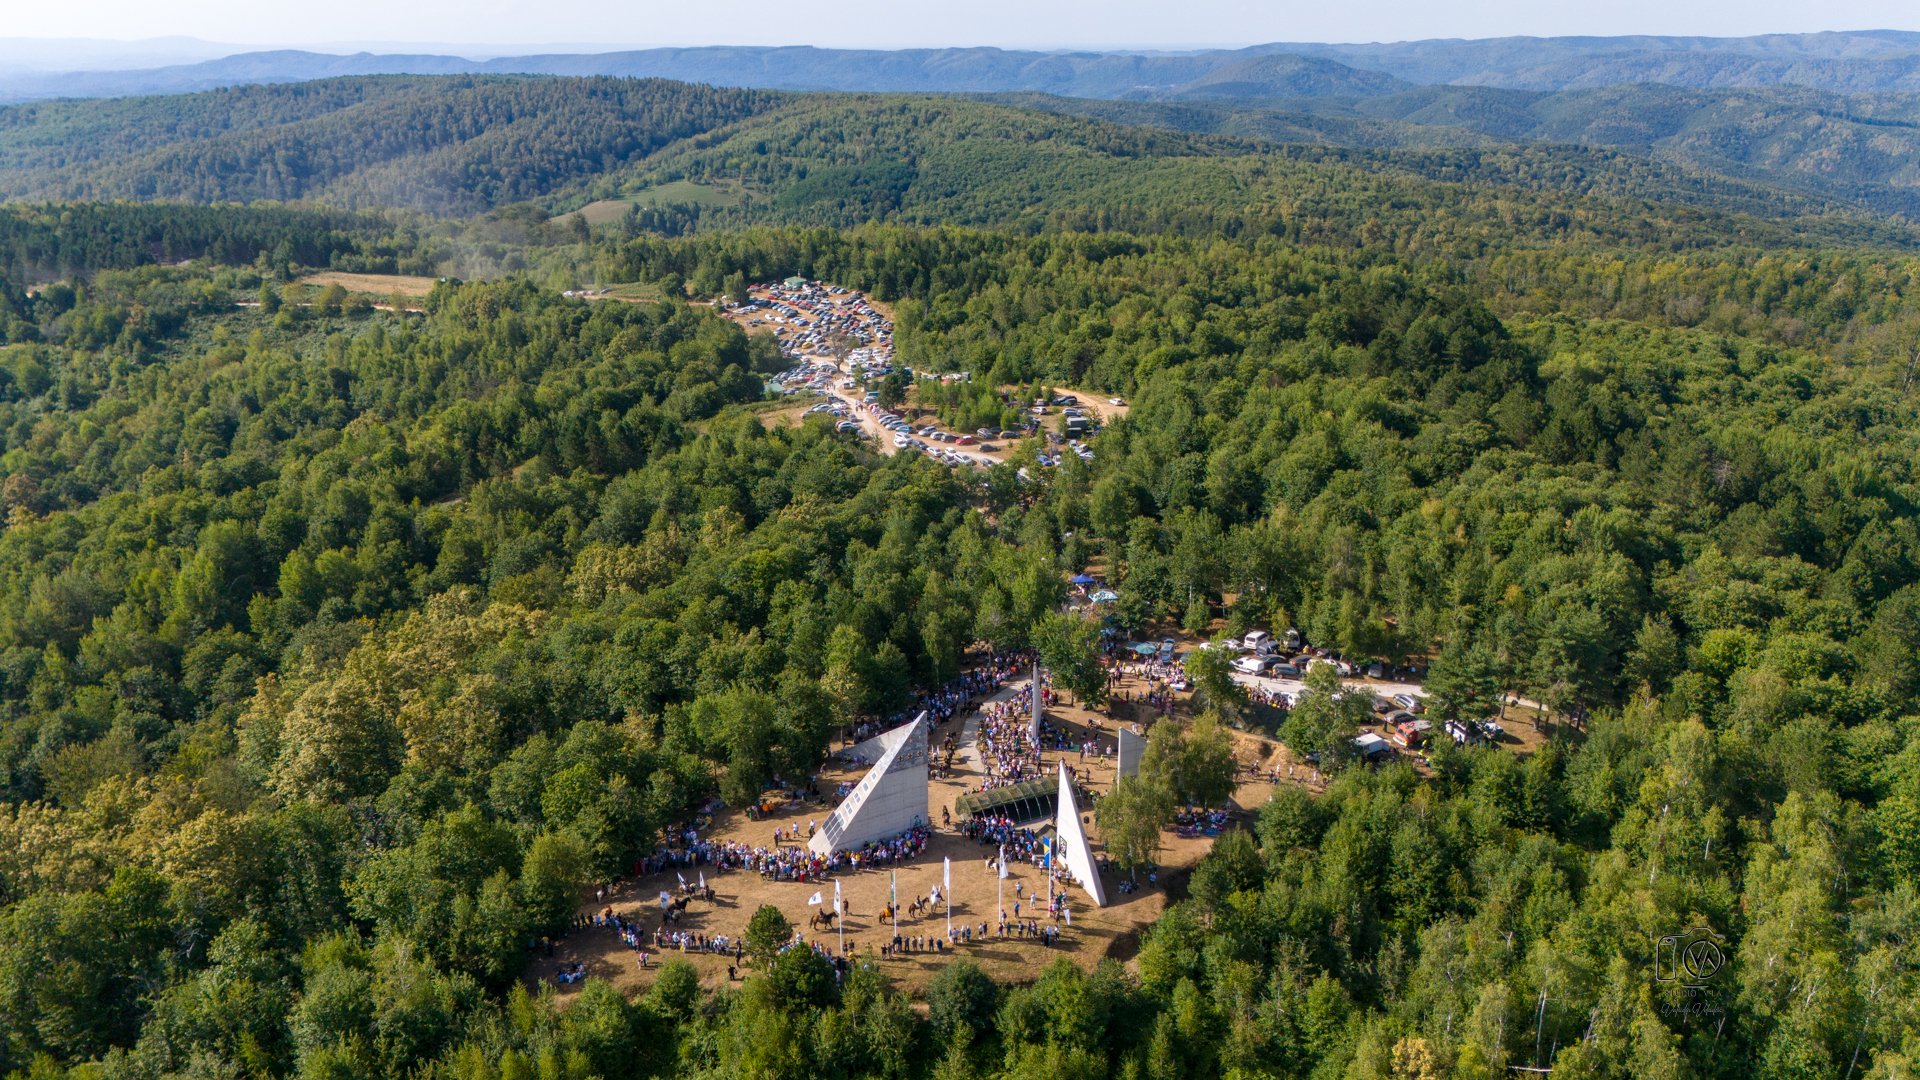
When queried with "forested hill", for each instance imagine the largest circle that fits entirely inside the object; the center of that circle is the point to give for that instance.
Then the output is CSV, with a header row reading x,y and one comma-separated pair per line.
x,y
453,145
343,647
339,648
460,145
1851,62
1814,144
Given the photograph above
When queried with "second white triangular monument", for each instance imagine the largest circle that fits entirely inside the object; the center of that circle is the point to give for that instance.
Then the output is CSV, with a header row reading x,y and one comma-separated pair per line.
x,y
1131,747
1072,839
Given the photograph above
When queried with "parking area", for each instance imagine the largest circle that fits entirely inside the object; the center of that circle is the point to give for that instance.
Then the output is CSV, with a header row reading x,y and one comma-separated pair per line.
x,y
816,321
1275,671
840,344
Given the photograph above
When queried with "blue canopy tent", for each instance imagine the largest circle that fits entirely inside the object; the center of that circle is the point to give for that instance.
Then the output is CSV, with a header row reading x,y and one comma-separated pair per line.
x,y
1081,579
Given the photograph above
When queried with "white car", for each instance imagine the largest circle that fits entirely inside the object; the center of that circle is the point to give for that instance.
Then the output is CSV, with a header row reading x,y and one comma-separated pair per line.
x,y
1250,665
902,441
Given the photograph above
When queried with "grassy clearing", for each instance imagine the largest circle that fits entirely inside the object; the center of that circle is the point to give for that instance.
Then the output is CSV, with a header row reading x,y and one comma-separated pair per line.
x,y
685,192
377,284
632,291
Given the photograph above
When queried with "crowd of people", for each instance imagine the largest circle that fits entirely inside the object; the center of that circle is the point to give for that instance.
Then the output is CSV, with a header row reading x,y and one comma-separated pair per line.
x,y
1260,695
1008,754
792,860
993,670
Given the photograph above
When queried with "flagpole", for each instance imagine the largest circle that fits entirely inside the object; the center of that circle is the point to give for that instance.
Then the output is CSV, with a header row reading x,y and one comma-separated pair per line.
x,y
946,887
839,917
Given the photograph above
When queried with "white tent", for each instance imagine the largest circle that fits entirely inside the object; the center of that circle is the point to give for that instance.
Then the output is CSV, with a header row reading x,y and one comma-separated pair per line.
x,y
890,799
1071,843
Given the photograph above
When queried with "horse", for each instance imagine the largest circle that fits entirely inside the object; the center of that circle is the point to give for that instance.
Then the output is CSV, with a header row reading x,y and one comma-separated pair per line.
x,y
821,918
887,915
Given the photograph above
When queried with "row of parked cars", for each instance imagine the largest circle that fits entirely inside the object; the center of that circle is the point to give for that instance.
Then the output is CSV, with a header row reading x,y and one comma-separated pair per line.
x,y
820,313
908,437
807,376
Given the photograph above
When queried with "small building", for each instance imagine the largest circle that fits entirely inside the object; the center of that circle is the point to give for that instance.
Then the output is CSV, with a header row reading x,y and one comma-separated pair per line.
x,y
795,283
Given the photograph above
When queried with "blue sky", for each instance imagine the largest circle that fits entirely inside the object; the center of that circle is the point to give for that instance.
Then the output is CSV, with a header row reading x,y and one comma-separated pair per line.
x,y
906,23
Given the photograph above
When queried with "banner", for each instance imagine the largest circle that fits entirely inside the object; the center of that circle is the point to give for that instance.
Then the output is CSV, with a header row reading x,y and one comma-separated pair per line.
x,y
946,872
814,900
1003,860
837,909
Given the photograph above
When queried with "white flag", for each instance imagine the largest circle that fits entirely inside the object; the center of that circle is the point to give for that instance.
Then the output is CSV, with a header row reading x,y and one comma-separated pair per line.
x,y
814,899
682,877
946,872
703,880
665,900
1003,860
836,897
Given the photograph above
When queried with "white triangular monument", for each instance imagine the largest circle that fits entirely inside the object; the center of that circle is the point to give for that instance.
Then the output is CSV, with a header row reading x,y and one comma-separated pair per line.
x,y
1033,728
1072,840
889,800
1127,763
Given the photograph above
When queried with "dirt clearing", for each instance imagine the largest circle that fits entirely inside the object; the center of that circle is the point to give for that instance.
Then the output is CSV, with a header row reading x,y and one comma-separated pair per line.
x,y
378,284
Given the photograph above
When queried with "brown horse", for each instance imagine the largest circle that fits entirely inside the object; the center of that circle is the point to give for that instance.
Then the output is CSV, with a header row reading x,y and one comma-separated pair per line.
x,y
887,915
821,918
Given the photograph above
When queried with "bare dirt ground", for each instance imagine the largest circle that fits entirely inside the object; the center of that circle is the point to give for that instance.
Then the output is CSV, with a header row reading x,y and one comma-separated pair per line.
x,y
377,284
1095,933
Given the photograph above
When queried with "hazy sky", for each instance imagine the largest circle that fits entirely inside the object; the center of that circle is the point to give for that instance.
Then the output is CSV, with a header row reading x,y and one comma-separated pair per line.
x,y
900,23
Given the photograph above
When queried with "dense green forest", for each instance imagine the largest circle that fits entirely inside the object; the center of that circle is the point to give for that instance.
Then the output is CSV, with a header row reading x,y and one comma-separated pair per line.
x,y
461,145
1850,149
447,145
340,647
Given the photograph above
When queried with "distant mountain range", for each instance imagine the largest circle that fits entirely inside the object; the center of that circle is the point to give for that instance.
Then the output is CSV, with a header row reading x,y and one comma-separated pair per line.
x,y
1852,63
1862,150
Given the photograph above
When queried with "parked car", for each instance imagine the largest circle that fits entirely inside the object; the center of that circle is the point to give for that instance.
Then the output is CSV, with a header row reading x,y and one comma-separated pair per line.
x,y
1256,638
1410,703
1283,671
1250,665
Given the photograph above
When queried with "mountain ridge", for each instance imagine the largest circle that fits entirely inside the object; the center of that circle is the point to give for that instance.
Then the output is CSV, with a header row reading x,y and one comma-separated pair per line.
x,y
1852,62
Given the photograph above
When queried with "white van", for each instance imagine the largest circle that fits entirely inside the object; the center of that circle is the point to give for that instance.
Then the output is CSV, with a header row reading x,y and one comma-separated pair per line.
x,y
1255,639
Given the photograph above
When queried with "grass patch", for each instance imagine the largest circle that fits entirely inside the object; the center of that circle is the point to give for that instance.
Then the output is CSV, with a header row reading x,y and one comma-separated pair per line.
x,y
381,285
686,192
